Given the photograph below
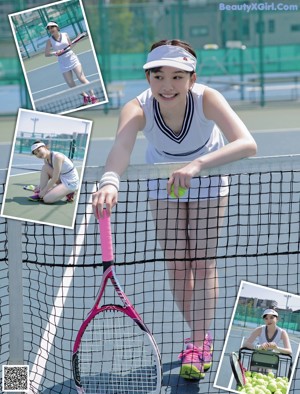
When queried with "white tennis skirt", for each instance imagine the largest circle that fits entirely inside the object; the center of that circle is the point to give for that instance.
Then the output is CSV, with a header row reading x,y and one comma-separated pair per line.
x,y
68,61
202,188
73,186
70,180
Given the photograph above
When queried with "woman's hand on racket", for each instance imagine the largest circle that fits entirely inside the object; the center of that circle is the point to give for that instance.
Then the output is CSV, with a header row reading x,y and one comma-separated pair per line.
x,y
108,196
60,52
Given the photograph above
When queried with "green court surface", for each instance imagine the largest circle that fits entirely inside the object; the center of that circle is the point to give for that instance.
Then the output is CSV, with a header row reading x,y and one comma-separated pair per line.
x,y
17,205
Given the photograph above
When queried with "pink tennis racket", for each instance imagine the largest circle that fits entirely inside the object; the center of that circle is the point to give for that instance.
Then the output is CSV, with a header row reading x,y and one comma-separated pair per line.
x,y
114,351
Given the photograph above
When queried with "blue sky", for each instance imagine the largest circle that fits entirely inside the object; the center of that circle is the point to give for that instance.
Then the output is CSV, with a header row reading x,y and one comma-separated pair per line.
x,y
248,289
48,123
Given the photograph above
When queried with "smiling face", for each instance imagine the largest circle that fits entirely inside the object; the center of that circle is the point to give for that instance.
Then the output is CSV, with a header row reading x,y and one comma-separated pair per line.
x,y
270,320
170,85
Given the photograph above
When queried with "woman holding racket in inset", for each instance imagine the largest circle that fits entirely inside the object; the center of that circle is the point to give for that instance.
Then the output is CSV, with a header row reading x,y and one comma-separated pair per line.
x,y
59,44
59,178
182,121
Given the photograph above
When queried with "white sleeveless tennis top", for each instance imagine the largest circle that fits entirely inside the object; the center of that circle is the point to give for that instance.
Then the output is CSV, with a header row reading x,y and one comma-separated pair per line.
x,y
68,60
276,338
68,174
197,137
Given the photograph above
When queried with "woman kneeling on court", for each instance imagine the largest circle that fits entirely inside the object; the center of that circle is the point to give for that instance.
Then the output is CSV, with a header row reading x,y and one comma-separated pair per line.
x,y
182,121
59,178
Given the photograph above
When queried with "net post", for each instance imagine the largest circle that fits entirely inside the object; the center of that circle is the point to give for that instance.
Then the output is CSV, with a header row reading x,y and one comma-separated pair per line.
x,y
15,281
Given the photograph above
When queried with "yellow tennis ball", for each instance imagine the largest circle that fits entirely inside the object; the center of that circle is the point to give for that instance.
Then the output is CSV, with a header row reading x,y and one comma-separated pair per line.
x,y
181,192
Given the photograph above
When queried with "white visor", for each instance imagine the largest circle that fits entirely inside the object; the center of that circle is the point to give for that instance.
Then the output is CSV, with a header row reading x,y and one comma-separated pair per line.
x,y
36,146
172,56
51,24
269,312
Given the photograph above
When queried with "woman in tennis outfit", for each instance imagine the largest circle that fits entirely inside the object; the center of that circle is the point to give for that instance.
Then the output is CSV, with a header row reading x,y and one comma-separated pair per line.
x,y
67,60
269,336
182,121
59,178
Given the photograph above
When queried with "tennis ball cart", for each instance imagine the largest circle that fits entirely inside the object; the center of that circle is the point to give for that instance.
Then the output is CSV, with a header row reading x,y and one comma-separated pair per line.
x,y
253,369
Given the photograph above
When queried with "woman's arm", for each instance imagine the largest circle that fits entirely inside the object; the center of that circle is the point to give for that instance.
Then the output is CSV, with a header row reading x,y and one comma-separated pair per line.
x,y
249,341
131,121
68,39
48,49
240,142
286,349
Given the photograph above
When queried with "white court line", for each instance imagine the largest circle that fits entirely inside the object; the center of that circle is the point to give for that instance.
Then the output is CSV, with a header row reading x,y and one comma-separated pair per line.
x,y
24,173
48,338
139,137
287,130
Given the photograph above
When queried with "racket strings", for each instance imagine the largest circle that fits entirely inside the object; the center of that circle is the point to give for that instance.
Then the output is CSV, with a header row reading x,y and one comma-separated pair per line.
x,y
116,356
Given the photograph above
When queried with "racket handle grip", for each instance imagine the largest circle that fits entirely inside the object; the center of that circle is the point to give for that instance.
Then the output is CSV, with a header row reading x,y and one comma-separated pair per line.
x,y
106,237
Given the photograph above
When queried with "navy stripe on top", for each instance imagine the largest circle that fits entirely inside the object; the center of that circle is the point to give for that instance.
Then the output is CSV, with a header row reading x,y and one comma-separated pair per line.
x,y
187,120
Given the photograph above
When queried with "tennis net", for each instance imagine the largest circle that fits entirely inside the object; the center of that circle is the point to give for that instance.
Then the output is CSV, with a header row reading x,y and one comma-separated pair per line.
x,y
63,145
257,241
74,146
71,99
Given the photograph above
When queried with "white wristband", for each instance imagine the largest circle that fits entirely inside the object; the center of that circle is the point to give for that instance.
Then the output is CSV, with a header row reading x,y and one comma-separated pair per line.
x,y
110,178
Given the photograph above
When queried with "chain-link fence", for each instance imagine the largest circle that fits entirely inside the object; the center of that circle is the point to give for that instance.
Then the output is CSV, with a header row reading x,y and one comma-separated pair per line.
x,y
247,315
229,39
30,27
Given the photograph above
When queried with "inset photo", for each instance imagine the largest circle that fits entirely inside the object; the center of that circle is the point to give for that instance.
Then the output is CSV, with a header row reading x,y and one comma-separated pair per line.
x,y
58,57
46,168
262,345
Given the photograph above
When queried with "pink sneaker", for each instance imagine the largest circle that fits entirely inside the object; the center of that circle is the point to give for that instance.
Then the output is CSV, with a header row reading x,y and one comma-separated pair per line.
x,y
192,366
86,100
35,198
205,353
70,197
94,100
